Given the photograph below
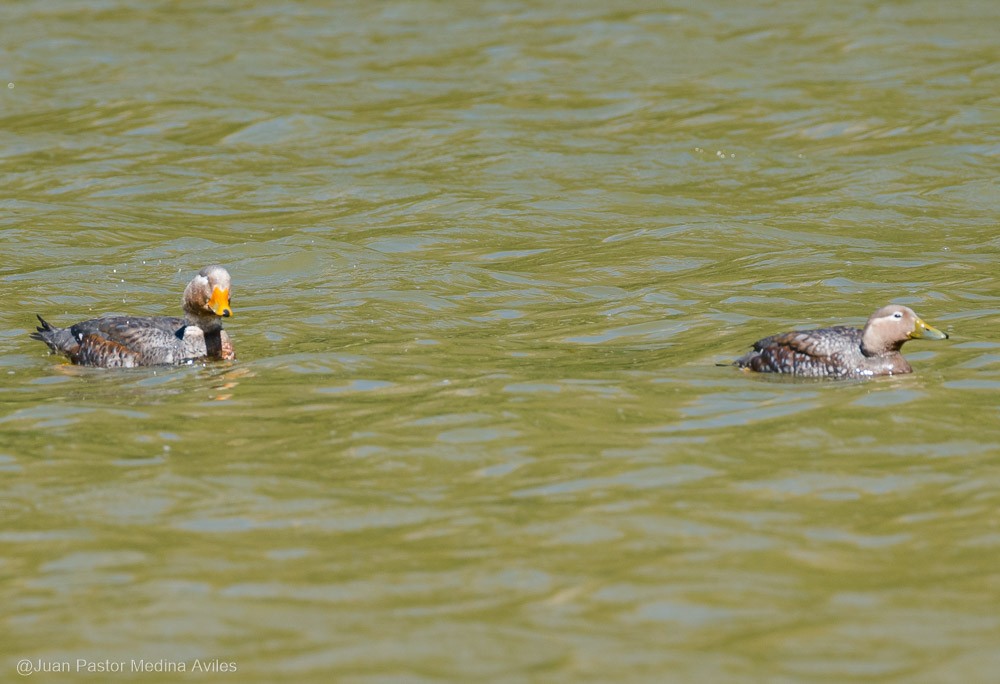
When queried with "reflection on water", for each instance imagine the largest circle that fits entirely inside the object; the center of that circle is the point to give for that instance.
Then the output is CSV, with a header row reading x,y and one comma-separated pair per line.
x,y
486,260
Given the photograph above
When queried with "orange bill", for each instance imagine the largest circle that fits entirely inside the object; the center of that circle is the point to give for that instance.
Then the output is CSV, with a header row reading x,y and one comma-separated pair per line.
x,y
219,303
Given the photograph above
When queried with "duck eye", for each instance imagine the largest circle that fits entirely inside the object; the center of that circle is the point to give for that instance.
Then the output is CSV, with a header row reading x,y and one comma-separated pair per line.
x,y
898,314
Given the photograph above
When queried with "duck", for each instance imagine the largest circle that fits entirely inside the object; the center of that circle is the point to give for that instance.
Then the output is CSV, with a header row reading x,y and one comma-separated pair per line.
x,y
843,351
133,341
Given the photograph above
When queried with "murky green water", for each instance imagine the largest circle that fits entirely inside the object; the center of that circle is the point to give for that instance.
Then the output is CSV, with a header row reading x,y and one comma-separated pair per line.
x,y
486,257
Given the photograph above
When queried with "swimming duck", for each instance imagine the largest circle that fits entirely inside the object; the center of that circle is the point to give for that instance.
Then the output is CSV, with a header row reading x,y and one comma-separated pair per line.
x,y
843,352
127,341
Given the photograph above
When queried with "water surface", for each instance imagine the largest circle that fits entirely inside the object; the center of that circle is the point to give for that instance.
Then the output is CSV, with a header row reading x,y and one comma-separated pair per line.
x,y
486,258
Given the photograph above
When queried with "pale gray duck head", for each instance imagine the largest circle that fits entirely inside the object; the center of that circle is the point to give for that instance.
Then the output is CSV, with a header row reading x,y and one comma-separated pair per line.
x,y
207,298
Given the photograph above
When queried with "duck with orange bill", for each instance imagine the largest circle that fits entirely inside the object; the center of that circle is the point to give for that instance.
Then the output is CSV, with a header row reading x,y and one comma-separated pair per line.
x,y
130,341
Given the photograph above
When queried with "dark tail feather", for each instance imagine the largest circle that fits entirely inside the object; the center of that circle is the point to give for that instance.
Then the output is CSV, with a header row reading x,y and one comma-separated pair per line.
x,y
42,329
58,339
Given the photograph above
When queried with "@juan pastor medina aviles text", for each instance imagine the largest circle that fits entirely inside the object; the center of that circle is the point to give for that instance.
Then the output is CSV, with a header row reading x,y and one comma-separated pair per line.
x,y
27,667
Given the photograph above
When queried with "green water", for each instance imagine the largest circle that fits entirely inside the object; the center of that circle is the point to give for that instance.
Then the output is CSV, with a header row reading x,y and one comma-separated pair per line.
x,y
486,257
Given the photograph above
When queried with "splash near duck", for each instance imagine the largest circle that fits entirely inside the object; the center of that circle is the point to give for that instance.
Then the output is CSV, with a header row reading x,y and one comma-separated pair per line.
x,y
843,352
130,341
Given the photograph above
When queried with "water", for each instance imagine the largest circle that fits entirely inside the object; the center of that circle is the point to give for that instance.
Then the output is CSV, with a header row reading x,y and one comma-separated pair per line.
x,y
486,258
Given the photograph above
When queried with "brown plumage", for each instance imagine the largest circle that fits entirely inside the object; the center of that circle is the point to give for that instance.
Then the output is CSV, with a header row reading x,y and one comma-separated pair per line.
x,y
127,341
843,352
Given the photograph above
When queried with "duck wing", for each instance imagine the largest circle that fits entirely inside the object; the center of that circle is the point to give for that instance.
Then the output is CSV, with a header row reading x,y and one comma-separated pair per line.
x,y
822,352
127,341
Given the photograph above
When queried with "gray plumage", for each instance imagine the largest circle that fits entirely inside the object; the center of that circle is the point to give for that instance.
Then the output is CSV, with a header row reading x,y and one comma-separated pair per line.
x,y
128,341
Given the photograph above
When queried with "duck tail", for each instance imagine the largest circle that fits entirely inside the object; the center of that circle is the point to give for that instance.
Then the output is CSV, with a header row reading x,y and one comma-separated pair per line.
x,y
58,339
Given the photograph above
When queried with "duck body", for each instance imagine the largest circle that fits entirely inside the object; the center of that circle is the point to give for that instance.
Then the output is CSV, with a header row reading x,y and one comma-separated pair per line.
x,y
842,351
127,342
131,341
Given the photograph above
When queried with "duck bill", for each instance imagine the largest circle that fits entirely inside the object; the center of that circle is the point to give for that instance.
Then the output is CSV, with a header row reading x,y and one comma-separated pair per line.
x,y
219,303
922,331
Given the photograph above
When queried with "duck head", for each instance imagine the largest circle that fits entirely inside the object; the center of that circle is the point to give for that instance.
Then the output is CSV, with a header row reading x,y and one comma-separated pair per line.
x,y
207,298
891,326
